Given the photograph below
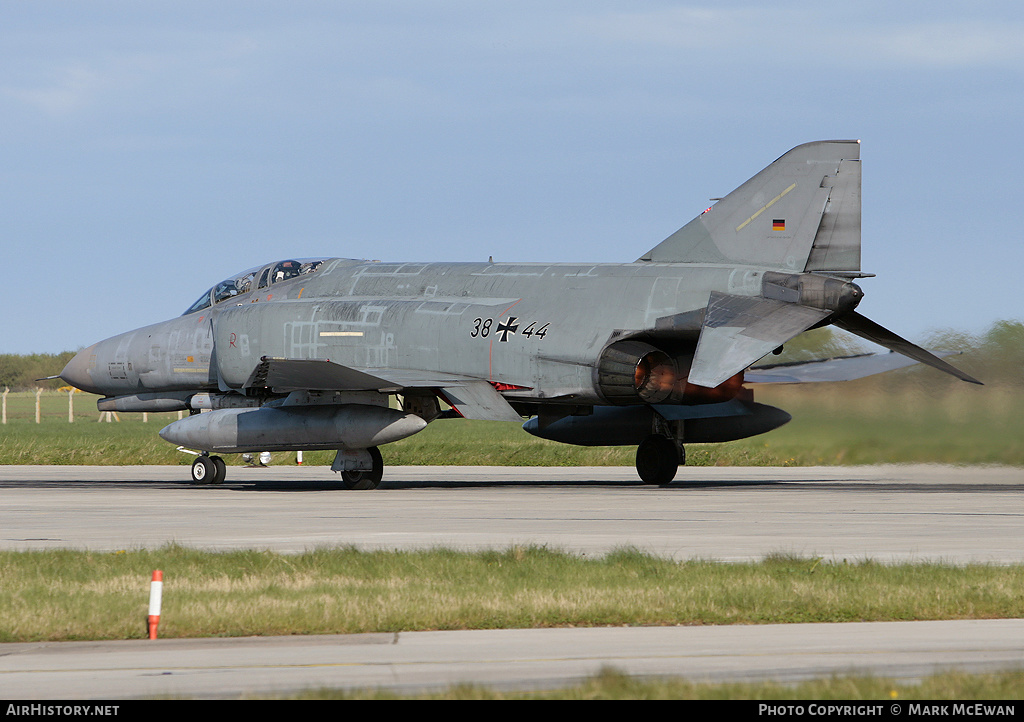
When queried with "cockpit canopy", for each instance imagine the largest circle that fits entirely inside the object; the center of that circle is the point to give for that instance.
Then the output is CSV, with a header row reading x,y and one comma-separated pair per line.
x,y
255,279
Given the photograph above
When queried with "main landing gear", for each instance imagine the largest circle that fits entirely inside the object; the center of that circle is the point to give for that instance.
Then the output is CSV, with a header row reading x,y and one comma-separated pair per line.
x,y
658,458
208,470
365,479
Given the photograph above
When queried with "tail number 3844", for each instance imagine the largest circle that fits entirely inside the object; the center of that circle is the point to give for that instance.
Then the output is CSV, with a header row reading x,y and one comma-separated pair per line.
x,y
503,328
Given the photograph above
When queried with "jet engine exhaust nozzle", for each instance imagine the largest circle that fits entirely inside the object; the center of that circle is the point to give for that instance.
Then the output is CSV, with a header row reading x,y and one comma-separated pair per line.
x,y
631,372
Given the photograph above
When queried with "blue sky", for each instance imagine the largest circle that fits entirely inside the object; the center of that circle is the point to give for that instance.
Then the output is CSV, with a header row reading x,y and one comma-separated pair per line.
x,y
150,149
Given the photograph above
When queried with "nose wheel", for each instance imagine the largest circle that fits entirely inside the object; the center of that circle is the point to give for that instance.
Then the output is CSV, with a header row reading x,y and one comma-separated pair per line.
x,y
208,470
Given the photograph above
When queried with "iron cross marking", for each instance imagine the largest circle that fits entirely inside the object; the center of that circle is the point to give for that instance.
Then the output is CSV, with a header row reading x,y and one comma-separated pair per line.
x,y
507,327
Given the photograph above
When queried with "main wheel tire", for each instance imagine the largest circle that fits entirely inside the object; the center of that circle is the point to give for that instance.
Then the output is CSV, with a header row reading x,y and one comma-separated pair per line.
x,y
365,479
221,470
204,470
657,460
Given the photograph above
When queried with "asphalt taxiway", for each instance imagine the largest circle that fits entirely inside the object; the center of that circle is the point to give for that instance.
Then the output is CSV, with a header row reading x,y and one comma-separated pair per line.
x,y
887,513
504,658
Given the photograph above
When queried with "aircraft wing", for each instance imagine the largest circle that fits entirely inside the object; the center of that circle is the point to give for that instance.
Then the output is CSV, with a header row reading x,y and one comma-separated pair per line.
x,y
739,330
473,398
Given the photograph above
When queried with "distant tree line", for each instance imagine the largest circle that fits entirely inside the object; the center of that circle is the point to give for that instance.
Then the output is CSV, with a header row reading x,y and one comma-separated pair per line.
x,y
19,372
994,357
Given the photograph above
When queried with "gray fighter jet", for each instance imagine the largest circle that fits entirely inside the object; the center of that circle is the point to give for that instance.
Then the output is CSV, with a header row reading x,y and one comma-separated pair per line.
x,y
306,354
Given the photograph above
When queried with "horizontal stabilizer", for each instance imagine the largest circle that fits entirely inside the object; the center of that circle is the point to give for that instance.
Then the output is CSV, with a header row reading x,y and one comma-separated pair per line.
x,y
739,330
871,331
844,368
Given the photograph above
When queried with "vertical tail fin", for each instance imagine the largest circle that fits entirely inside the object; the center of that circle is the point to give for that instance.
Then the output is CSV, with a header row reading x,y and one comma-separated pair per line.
x,y
801,213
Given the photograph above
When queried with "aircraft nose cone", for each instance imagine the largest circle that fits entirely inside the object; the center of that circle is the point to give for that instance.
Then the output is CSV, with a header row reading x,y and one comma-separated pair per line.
x,y
78,372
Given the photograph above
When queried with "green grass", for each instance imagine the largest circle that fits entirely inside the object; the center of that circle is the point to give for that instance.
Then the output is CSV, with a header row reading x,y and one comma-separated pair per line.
x,y
846,424
78,595
858,423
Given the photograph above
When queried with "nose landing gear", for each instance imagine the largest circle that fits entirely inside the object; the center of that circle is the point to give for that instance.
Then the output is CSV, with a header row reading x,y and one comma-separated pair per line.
x,y
208,470
365,479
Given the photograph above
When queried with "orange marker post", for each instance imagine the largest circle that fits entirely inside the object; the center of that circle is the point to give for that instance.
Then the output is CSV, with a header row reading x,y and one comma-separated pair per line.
x,y
156,588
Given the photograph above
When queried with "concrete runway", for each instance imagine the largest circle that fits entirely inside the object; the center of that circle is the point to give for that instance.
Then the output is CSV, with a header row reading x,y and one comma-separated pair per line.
x,y
889,513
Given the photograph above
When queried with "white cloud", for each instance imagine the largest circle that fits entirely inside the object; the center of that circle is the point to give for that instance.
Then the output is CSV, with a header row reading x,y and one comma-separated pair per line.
x,y
62,75
955,44
760,35
69,89
679,27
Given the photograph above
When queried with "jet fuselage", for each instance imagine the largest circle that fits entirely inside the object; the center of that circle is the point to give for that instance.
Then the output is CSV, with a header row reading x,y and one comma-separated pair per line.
x,y
537,327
